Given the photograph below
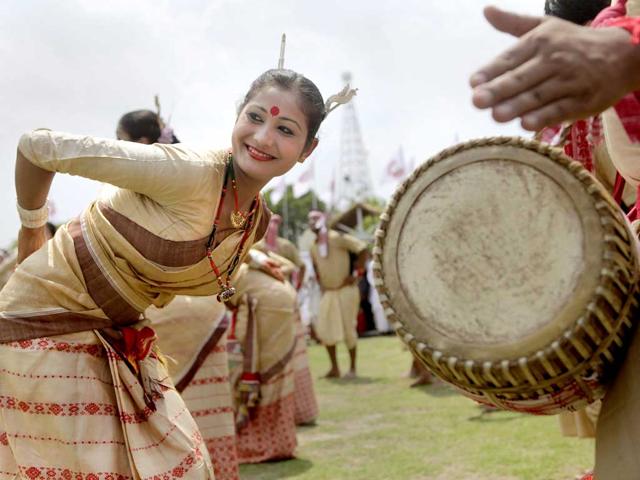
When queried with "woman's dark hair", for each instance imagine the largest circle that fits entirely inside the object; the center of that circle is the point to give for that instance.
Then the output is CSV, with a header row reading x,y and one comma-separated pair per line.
x,y
310,98
145,123
141,123
576,11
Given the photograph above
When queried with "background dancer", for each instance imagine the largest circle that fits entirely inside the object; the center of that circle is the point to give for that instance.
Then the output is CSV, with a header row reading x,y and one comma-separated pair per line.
x,y
262,343
305,396
273,242
337,318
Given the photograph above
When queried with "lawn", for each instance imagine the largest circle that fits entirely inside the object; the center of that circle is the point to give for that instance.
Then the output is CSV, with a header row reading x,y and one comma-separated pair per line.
x,y
376,427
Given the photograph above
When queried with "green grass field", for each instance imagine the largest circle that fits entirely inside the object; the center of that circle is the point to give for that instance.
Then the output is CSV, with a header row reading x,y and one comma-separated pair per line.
x,y
376,427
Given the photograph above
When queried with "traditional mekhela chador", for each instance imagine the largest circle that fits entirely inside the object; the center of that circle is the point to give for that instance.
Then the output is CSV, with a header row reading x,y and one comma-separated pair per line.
x,y
261,347
192,333
306,410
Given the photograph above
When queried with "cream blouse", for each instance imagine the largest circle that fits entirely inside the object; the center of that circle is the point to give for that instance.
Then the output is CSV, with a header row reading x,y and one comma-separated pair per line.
x,y
146,234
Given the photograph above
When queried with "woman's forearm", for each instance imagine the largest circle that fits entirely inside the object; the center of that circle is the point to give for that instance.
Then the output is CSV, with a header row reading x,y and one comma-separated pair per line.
x,y
32,183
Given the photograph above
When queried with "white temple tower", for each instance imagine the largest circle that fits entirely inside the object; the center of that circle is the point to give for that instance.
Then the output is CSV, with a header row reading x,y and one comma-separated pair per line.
x,y
353,175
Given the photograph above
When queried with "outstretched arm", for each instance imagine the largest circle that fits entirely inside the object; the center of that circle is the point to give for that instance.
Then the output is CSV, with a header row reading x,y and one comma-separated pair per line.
x,y
32,187
557,71
164,173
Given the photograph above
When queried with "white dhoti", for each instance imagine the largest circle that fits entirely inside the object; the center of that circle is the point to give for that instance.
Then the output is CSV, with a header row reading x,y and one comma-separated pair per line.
x,y
338,315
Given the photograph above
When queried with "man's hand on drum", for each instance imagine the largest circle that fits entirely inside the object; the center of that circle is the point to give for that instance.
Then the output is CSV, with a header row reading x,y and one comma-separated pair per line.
x,y
556,72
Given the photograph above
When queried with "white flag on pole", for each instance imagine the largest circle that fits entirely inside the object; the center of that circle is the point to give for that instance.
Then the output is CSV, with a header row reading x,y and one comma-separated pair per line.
x,y
278,190
304,182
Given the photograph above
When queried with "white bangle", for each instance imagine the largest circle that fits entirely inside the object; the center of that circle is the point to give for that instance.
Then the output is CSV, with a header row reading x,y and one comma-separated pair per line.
x,y
34,218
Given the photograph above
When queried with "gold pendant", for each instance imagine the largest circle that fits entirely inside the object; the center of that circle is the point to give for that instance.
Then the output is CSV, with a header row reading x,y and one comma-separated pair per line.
x,y
237,219
226,294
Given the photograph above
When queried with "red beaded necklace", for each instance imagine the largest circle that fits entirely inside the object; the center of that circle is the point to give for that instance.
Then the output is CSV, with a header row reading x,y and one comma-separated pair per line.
x,y
226,289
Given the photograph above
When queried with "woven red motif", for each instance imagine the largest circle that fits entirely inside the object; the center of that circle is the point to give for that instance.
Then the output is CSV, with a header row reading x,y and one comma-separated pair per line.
x,y
73,409
50,473
211,411
305,398
270,434
47,344
224,457
208,381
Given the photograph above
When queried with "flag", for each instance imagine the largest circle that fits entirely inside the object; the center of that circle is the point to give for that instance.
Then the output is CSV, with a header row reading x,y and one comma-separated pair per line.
x,y
278,190
396,169
304,182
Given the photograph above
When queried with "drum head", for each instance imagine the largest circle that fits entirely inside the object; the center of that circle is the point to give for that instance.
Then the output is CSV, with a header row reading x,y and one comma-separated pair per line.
x,y
491,252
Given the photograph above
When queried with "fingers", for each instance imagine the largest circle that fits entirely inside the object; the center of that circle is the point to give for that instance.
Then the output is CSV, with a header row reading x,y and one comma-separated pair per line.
x,y
512,23
508,60
532,99
512,83
516,25
563,109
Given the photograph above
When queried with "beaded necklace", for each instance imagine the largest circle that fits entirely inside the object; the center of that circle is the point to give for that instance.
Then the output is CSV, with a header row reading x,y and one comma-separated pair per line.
x,y
226,289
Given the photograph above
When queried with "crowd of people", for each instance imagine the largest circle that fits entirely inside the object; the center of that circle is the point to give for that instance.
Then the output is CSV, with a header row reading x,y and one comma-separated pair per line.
x,y
157,335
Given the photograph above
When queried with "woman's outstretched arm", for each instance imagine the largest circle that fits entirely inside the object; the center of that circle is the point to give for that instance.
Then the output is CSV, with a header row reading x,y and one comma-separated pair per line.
x,y
32,187
32,183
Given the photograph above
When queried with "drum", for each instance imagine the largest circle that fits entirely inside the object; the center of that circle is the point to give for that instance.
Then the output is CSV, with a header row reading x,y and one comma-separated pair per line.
x,y
510,273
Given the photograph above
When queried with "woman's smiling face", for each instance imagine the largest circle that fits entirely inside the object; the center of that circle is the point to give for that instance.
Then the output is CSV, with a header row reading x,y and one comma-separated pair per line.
x,y
270,134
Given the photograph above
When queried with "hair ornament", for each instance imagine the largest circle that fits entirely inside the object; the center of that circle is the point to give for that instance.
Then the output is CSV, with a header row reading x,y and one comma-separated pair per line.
x,y
342,97
167,134
283,44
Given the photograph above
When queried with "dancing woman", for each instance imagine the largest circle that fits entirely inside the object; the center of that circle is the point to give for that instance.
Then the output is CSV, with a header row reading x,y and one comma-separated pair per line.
x,y
83,392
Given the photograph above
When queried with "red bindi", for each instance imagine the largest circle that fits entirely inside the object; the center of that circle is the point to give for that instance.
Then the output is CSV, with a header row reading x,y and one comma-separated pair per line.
x,y
275,111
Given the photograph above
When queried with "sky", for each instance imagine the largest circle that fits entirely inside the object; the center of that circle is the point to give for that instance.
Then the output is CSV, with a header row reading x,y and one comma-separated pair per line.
x,y
78,65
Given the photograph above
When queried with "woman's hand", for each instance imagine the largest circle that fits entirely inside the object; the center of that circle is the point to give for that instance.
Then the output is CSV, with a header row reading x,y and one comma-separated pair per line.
x,y
270,267
350,280
30,240
261,261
